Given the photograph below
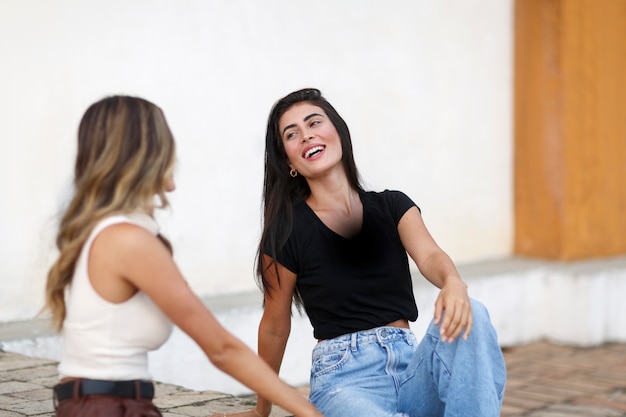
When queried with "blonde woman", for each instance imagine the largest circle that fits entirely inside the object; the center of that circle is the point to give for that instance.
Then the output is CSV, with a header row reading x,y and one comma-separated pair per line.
x,y
115,291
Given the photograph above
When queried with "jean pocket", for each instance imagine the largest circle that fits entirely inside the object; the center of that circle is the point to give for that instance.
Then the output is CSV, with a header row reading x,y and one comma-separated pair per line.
x,y
327,362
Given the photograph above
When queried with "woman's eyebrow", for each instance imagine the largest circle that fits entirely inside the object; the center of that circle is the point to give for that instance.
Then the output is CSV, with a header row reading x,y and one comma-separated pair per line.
x,y
311,115
288,127
304,120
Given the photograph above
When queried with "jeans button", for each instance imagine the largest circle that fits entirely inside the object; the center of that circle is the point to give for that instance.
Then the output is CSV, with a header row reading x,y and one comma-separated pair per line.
x,y
383,333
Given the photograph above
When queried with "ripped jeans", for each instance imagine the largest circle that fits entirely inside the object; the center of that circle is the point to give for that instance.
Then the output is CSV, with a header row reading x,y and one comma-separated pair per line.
x,y
384,372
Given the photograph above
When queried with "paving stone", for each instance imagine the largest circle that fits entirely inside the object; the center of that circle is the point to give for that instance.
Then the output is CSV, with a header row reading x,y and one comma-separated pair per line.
x,y
537,397
16,386
31,408
510,411
47,382
13,361
38,394
7,413
582,383
614,405
161,389
518,400
586,410
547,413
29,374
9,399
187,398
554,392
224,405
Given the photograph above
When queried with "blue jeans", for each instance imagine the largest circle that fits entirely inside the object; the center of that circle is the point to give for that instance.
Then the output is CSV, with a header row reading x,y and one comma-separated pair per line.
x,y
384,372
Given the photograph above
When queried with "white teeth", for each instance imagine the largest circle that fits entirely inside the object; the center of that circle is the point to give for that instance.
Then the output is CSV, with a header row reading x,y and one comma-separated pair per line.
x,y
313,151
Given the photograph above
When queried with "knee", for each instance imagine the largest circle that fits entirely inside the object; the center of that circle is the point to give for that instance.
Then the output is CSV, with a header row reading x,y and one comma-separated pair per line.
x,y
482,325
479,312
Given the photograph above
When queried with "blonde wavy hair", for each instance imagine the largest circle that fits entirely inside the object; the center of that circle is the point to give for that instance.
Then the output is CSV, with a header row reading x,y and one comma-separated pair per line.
x,y
125,152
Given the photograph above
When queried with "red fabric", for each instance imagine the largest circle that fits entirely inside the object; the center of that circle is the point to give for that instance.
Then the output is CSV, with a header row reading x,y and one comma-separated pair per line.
x,y
107,406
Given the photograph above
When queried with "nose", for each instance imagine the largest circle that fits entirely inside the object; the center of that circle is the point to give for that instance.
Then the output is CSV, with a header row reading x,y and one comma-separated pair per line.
x,y
307,137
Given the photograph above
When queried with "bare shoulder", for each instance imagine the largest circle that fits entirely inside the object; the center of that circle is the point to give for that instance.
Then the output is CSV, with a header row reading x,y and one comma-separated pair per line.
x,y
115,255
125,237
124,244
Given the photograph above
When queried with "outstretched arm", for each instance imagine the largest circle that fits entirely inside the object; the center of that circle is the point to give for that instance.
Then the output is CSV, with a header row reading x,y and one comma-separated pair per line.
x,y
274,328
438,268
275,325
142,260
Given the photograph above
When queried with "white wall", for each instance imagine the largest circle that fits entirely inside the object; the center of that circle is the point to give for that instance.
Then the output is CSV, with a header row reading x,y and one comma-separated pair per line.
x,y
425,86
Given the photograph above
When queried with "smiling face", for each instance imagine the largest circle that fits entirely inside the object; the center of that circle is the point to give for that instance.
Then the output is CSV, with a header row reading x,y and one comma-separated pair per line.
x,y
311,142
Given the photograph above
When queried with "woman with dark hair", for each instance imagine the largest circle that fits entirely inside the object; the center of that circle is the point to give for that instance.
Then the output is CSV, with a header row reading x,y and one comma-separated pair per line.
x,y
340,252
115,290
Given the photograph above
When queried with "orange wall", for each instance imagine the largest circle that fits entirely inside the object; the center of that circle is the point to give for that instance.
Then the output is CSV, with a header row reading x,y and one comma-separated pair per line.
x,y
570,128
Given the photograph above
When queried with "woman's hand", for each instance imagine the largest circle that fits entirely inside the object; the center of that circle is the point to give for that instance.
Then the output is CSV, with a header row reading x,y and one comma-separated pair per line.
x,y
453,304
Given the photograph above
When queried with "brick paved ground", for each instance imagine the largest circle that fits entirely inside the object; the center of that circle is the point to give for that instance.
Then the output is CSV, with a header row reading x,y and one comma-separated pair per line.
x,y
545,380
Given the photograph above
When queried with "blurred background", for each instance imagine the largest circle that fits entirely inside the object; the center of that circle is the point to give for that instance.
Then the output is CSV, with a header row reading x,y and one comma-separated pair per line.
x,y
503,120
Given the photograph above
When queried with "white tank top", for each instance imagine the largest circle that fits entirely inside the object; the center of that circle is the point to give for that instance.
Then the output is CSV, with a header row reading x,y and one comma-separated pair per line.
x,y
104,340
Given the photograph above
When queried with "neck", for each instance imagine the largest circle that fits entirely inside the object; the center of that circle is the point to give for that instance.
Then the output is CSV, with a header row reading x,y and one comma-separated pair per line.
x,y
332,194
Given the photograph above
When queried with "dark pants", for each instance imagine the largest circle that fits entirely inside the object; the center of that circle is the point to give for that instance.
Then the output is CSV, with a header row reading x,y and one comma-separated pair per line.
x,y
107,406
104,403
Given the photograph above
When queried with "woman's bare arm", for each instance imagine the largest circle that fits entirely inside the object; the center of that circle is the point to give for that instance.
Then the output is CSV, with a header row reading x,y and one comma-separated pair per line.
x,y
142,260
438,268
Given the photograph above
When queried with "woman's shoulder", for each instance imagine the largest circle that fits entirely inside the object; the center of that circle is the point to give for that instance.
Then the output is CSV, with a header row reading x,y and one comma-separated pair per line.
x,y
386,195
124,227
393,201
125,237
142,220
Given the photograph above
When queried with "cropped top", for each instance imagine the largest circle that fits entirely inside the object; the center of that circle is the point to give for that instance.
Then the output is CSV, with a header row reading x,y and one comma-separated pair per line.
x,y
105,340
348,285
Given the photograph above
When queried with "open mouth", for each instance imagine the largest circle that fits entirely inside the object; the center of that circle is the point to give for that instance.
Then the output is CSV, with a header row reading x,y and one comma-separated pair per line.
x,y
313,151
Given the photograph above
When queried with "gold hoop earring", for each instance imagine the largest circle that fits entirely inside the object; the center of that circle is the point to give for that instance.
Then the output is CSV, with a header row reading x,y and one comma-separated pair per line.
x,y
293,173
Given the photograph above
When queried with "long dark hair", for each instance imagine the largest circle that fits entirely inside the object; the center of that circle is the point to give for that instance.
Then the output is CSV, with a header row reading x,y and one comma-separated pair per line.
x,y
281,191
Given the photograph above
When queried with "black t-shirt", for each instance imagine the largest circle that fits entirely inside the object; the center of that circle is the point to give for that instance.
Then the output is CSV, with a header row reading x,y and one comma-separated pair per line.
x,y
348,285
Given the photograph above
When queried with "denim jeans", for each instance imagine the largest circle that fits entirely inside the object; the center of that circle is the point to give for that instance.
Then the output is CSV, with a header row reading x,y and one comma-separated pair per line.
x,y
384,372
